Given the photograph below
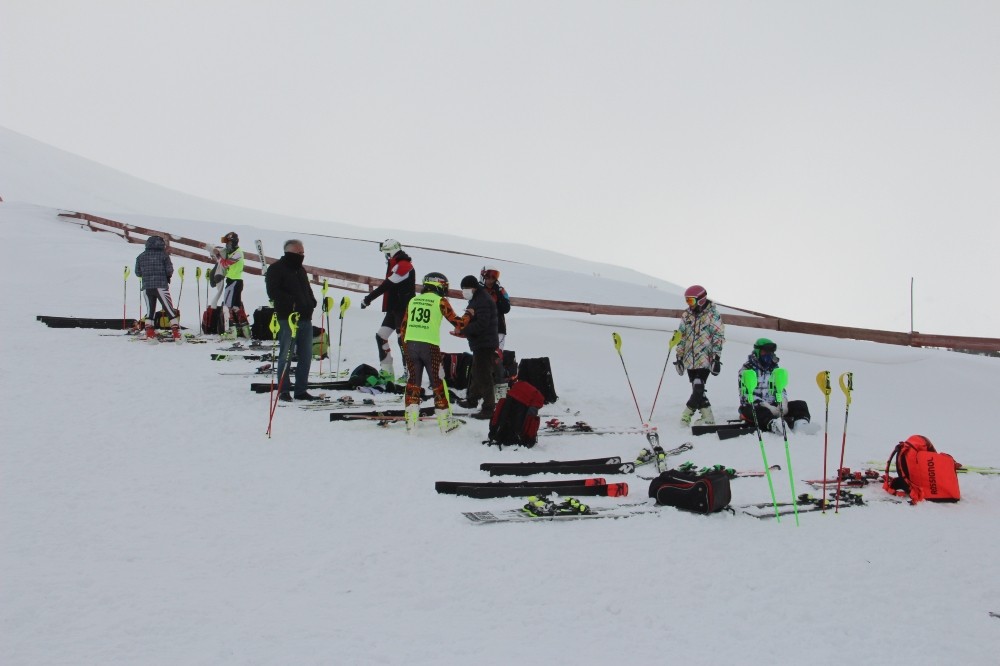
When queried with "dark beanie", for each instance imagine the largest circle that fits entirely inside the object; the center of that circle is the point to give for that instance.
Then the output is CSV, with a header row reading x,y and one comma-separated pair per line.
x,y
469,282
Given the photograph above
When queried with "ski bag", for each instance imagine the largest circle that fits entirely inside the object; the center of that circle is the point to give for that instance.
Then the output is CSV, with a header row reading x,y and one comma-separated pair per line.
x,y
698,493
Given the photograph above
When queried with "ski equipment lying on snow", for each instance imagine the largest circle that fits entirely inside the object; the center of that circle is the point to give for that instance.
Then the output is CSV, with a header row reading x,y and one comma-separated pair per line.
x,y
455,487
537,511
557,467
805,503
515,490
392,414
726,430
924,473
699,493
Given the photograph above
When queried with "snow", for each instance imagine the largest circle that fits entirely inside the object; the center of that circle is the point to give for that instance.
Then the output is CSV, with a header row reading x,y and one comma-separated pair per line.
x,y
145,518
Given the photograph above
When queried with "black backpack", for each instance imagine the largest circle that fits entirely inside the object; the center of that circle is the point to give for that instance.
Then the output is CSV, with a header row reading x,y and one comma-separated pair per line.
x,y
538,373
515,419
456,368
690,491
213,322
361,374
260,329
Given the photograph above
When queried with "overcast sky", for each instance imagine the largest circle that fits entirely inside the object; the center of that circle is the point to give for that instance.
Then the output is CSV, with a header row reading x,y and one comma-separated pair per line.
x,y
804,159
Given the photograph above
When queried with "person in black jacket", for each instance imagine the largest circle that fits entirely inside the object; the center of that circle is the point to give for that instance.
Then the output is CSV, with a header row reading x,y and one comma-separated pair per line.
x,y
398,287
288,288
484,342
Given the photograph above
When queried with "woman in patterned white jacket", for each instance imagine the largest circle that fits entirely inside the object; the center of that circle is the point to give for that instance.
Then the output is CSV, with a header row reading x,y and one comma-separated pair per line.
x,y
699,351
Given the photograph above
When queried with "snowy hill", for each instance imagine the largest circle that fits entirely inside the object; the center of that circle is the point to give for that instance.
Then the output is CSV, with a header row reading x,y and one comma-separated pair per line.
x,y
146,519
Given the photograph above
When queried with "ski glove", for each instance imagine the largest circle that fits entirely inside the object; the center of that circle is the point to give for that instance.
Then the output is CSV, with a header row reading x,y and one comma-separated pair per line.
x,y
365,302
680,367
716,365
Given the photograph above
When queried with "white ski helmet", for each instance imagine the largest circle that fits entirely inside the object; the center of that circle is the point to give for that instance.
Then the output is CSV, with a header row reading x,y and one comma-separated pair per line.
x,y
389,247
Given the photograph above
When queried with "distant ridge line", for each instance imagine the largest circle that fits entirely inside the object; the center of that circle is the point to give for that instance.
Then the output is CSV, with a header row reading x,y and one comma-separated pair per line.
x,y
364,283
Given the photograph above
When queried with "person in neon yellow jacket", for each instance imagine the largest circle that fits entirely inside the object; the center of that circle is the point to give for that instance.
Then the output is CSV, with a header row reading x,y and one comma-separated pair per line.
x,y
420,331
231,260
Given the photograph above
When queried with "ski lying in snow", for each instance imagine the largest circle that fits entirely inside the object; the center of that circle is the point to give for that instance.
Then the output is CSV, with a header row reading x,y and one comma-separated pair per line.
x,y
242,357
517,490
559,467
263,387
959,467
807,503
455,487
112,324
523,516
658,455
556,427
610,460
378,415
726,430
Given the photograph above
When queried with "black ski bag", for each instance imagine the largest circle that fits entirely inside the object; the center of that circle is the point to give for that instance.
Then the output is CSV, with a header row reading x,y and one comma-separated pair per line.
x,y
698,493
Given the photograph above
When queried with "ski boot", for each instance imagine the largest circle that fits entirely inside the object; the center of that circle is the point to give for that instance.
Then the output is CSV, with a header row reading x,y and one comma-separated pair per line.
x,y
539,507
445,421
150,333
412,413
707,417
573,507
686,416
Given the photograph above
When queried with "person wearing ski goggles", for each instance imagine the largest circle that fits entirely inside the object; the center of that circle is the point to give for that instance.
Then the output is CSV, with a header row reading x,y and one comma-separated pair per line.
x,y
699,351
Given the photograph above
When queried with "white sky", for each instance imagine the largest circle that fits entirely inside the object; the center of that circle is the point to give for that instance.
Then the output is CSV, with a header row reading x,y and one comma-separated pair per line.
x,y
801,159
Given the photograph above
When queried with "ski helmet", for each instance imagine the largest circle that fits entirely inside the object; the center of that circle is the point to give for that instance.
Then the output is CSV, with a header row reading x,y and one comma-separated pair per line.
x,y
470,282
696,295
437,283
231,239
489,271
764,346
389,247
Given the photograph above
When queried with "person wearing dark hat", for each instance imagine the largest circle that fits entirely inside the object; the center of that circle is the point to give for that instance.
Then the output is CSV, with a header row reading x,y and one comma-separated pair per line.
x,y
699,351
484,343
231,261
288,288
764,362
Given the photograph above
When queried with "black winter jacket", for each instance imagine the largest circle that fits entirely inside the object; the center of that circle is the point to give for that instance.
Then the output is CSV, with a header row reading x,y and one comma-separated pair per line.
x,y
482,330
288,286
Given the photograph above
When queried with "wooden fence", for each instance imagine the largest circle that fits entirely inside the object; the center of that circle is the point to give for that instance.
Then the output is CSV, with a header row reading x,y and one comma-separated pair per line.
x,y
200,251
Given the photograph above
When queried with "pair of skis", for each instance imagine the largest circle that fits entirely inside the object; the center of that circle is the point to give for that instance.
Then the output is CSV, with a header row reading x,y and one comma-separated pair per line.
x,y
607,465
594,487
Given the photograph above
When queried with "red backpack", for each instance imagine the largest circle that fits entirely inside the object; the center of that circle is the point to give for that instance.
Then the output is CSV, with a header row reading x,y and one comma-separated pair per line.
x,y
515,417
924,474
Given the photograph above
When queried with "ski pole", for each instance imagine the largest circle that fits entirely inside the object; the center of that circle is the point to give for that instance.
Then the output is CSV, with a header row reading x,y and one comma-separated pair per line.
x,y
293,325
328,329
845,386
823,381
777,384
674,339
140,300
180,293
345,303
197,290
322,331
618,348
748,384
125,299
